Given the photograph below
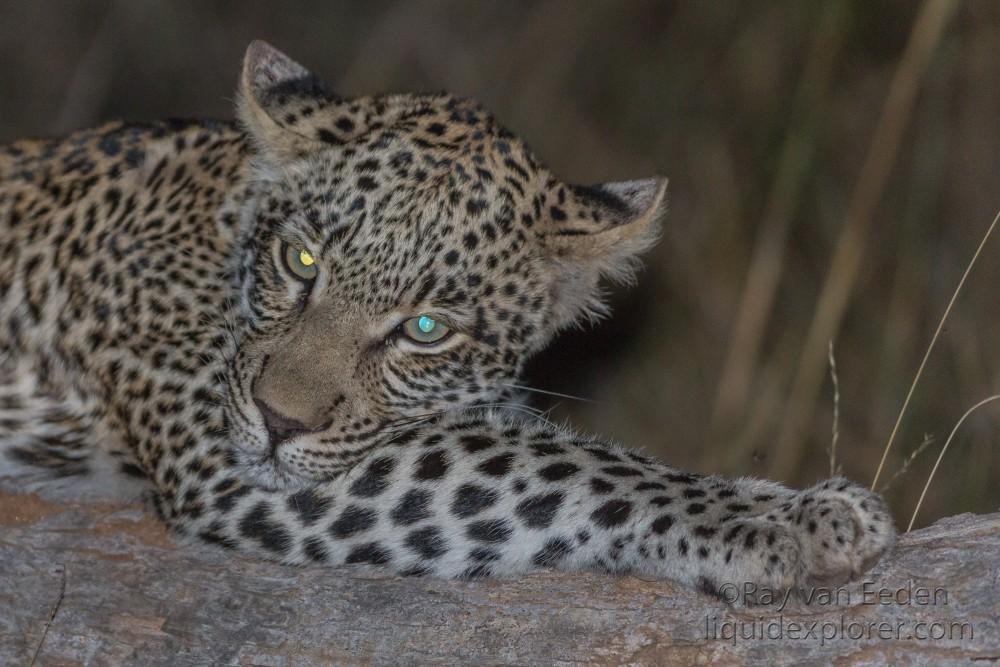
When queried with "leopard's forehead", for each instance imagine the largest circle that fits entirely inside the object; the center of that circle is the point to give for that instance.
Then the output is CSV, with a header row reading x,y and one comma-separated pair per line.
x,y
435,181
438,152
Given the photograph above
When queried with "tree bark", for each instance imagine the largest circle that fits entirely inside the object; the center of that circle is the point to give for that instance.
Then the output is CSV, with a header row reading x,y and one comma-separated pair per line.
x,y
104,584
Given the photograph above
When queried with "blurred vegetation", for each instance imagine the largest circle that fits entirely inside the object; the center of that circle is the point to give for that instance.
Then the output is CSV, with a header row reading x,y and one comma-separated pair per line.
x,y
763,115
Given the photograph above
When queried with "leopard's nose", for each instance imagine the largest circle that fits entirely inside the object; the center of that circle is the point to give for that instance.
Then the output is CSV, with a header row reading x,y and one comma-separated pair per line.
x,y
279,427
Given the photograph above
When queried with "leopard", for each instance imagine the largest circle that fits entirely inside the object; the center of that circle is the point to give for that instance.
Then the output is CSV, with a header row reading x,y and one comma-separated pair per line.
x,y
299,335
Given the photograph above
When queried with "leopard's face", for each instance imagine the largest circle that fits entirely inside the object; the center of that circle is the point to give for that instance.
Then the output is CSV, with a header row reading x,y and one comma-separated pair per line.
x,y
404,257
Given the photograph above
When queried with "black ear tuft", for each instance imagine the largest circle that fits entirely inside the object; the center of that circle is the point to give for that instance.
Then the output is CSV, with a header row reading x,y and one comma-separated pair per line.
x,y
593,220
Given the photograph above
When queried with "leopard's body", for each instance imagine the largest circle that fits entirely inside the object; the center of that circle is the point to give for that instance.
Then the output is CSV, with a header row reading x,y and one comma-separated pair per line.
x,y
150,326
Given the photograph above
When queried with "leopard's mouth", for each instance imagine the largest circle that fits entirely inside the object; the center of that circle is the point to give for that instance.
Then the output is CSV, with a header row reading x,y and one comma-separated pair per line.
x,y
265,470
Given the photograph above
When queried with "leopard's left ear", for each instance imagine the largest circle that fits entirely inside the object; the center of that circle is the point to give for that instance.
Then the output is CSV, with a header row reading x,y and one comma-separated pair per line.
x,y
287,109
598,231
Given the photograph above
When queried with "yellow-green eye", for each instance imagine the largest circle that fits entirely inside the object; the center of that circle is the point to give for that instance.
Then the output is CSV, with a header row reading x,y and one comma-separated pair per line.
x,y
300,263
424,329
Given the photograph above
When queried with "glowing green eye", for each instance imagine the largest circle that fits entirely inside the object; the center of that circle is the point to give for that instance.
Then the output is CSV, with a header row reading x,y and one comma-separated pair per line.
x,y
424,329
300,263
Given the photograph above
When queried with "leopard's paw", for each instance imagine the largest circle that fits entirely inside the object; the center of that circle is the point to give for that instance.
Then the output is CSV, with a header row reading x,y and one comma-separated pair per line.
x,y
842,528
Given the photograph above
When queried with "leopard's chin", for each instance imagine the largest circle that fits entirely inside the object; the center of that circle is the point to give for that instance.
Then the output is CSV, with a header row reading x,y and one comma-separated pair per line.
x,y
265,471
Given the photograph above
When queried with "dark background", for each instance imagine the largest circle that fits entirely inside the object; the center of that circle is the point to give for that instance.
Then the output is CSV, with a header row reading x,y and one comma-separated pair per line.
x,y
764,116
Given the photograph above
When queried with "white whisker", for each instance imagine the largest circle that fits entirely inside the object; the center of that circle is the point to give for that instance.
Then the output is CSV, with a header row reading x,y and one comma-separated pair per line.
x,y
548,393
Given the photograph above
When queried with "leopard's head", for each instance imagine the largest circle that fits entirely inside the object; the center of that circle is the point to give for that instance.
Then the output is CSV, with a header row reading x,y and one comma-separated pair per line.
x,y
404,256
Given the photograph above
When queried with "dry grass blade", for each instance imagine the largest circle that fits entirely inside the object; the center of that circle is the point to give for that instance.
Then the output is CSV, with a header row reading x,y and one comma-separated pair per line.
x,y
851,245
835,435
924,444
944,449
927,354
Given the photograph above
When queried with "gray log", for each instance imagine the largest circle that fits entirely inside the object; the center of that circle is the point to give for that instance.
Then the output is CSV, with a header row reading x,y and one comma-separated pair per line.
x,y
104,584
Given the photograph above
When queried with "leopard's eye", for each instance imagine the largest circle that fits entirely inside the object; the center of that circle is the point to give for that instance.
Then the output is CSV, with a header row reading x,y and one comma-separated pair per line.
x,y
424,329
300,263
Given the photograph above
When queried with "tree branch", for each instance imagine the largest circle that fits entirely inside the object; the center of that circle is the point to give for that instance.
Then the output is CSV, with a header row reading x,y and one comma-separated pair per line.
x,y
132,596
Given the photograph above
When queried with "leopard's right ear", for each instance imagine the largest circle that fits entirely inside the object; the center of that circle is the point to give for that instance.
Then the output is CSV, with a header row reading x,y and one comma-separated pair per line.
x,y
286,108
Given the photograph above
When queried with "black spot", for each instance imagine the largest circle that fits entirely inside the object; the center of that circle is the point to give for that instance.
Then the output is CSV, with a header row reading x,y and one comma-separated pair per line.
x,y
695,508
110,145
622,471
546,449
471,499
344,124
650,486
737,507
484,555
498,466
309,505
451,258
357,205
314,548
478,571
372,552
405,437
601,486
661,501
327,137
428,542
705,531
134,157
558,471
732,533
432,465
681,477
694,493
218,540
353,520
476,443
604,455
367,183
539,511
225,503
132,470
552,552
612,513
375,478
750,540
412,507
682,546
662,524
256,524
492,531
702,552
709,587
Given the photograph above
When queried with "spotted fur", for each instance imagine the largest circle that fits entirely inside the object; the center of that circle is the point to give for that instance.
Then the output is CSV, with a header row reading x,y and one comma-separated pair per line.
x,y
150,325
